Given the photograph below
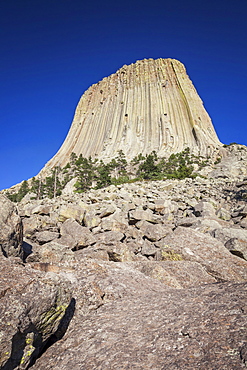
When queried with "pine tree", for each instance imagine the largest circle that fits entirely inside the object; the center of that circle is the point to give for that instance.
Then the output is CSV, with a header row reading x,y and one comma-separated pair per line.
x,y
85,173
24,189
104,175
149,169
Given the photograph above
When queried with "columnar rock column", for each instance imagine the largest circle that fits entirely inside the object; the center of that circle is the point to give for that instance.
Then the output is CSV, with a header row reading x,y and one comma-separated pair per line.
x,y
149,105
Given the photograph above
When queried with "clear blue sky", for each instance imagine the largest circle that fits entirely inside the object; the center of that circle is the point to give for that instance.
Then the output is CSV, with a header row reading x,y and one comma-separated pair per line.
x,y
53,50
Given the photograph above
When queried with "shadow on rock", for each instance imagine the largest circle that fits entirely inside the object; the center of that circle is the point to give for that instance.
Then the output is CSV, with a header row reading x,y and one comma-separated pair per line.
x,y
20,340
61,330
27,250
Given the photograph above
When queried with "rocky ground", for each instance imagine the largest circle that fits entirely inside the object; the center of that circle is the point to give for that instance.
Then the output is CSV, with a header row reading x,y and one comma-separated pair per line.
x,y
148,275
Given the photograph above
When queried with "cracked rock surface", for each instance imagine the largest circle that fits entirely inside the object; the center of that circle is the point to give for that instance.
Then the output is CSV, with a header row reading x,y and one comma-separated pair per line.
x,y
196,328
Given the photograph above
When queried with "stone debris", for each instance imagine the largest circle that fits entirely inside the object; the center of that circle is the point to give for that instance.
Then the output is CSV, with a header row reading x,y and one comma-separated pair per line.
x,y
153,277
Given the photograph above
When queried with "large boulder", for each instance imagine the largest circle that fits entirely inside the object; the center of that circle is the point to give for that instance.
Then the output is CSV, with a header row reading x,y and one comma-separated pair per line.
x,y
11,233
71,211
81,235
195,246
235,240
52,252
133,321
32,307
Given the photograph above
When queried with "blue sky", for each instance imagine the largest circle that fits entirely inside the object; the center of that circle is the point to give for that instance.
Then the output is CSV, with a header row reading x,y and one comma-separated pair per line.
x,y
53,50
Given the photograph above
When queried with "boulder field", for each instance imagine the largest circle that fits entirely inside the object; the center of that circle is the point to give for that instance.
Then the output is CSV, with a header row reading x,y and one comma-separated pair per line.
x,y
145,275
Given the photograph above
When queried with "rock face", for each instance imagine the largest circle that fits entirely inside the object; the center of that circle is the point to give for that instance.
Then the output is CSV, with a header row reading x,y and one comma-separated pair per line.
x,y
157,328
149,105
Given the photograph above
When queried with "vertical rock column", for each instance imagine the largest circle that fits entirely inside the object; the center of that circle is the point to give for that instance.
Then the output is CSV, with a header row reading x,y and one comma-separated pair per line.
x,y
148,105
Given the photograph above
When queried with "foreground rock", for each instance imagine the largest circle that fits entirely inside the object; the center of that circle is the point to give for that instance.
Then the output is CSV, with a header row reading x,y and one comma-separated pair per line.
x,y
32,306
136,322
120,315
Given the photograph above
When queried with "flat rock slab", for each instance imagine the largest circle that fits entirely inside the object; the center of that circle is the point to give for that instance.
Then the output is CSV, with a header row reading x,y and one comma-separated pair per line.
x,y
208,251
196,328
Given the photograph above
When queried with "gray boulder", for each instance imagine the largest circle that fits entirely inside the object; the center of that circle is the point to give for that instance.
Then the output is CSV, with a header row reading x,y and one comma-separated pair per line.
x,y
32,306
153,232
204,209
82,236
224,234
11,229
46,236
237,247
71,211
210,253
139,214
53,253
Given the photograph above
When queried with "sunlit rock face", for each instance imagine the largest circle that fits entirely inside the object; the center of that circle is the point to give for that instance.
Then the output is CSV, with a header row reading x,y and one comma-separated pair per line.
x,y
149,105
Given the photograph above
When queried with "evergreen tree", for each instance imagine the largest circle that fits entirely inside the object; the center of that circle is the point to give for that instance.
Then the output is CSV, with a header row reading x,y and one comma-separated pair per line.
x,y
85,173
137,159
118,165
104,175
52,186
73,159
24,189
149,169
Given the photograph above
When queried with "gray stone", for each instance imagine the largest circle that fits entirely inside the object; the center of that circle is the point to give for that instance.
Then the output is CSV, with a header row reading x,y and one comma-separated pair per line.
x,y
110,224
67,240
53,253
148,249
107,210
142,324
46,236
11,230
179,274
140,214
237,247
82,235
187,221
205,209
224,234
42,209
163,206
32,305
93,252
153,232
204,249
224,214
109,237
91,220
71,211
36,223
243,223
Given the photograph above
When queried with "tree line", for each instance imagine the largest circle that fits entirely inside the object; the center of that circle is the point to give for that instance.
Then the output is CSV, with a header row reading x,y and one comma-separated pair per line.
x,y
93,173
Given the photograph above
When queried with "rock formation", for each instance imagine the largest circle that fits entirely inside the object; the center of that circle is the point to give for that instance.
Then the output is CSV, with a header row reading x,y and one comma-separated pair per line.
x,y
149,105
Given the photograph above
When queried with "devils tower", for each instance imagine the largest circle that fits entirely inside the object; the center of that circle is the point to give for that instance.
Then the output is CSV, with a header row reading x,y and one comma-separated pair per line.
x,y
149,105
